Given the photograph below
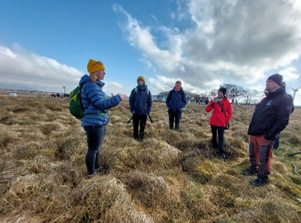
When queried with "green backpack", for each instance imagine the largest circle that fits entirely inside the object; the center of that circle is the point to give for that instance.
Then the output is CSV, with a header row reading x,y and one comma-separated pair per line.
x,y
75,105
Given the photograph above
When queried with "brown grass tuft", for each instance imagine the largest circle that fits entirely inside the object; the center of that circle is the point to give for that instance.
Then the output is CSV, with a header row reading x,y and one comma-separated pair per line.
x,y
172,176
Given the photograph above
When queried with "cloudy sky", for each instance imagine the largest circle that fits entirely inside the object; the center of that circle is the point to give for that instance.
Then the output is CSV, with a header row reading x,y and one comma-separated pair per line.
x,y
45,45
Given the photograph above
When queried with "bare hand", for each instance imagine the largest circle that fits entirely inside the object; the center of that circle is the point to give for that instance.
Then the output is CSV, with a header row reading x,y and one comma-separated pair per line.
x,y
112,95
214,100
123,97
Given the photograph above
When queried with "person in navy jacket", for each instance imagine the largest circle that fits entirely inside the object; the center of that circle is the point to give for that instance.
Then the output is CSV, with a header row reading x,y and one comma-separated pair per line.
x,y
270,117
96,116
140,104
175,101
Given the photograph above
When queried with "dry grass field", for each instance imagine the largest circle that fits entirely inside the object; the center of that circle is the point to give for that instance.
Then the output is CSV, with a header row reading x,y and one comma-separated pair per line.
x,y
169,177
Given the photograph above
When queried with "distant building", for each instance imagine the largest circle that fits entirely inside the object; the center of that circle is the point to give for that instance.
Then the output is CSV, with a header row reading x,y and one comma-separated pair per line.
x,y
13,94
158,98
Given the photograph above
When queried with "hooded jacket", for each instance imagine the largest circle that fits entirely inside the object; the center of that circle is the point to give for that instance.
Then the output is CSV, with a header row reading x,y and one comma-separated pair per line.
x,y
141,100
218,117
175,101
95,103
271,115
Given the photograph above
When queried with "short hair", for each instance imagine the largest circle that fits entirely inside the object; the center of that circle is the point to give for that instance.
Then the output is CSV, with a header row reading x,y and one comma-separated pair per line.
x,y
179,82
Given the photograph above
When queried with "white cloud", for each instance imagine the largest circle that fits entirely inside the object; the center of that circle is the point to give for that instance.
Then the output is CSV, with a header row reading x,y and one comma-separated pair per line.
x,y
147,63
163,83
114,88
22,69
231,40
289,73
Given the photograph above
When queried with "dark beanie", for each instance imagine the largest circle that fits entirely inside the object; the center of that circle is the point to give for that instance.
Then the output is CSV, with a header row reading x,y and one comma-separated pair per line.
x,y
277,78
223,90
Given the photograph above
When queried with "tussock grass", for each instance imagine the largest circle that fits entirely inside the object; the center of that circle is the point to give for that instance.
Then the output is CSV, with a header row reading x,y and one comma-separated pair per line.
x,y
107,200
172,176
47,128
7,138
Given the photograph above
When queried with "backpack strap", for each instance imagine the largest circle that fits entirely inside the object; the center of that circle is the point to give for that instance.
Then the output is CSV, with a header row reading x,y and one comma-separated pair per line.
x,y
80,98
222,108
136,91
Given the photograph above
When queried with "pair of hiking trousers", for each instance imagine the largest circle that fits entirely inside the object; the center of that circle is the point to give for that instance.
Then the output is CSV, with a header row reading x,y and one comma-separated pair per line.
x,y
260,153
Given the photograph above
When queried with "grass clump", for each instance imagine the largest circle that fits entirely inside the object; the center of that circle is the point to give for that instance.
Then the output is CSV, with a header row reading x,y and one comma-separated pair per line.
x,y
172,176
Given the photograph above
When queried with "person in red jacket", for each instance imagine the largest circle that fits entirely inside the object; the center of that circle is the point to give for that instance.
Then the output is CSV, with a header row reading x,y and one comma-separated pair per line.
x,y
222,113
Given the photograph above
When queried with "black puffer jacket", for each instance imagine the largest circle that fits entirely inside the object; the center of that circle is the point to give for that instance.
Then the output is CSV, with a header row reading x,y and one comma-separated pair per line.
x,y
271,115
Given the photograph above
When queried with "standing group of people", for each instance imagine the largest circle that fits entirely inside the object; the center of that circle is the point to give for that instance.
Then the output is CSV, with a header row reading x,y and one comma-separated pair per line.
x,y
271,116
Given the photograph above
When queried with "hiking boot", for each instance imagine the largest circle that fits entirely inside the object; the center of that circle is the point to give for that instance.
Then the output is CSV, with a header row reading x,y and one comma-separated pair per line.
x,y
99,169
223,156
260,181
249,173
92,175
141,136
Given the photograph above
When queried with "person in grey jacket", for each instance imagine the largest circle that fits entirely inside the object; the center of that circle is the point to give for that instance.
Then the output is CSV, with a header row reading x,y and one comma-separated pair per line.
x,y
96,116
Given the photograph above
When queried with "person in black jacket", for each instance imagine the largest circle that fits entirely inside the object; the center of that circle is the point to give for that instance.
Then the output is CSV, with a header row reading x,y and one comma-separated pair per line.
x,y
175,101
140,104
271,116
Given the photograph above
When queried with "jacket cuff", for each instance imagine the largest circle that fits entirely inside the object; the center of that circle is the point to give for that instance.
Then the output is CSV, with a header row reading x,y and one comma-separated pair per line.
x,y
212,103
118,96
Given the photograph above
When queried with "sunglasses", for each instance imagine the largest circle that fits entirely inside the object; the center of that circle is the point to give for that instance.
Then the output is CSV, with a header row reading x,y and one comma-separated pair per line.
x,y
97,63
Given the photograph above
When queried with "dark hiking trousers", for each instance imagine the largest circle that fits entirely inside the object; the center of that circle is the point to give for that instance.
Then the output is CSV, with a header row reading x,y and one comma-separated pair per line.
x,y
136,120
95,136
174,117
260,153
220,130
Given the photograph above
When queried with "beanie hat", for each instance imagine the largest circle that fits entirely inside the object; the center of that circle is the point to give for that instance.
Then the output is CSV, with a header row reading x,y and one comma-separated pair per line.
x,y
223,90
94,66
141,78
277,78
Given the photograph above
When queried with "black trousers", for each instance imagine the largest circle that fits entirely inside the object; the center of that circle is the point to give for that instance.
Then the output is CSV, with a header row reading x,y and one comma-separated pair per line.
x,y
95,137
136,120
174,117
220,130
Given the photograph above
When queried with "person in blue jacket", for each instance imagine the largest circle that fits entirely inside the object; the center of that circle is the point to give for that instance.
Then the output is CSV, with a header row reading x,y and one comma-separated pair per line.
x,y
96,116
140,104
175,101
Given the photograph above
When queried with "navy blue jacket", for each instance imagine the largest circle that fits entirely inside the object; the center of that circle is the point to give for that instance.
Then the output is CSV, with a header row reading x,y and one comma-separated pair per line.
x,y
271,115
175,101
141,100
95,103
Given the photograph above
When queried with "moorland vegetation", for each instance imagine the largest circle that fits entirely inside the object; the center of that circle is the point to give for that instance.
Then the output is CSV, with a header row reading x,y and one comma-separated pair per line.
x,y
172,176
